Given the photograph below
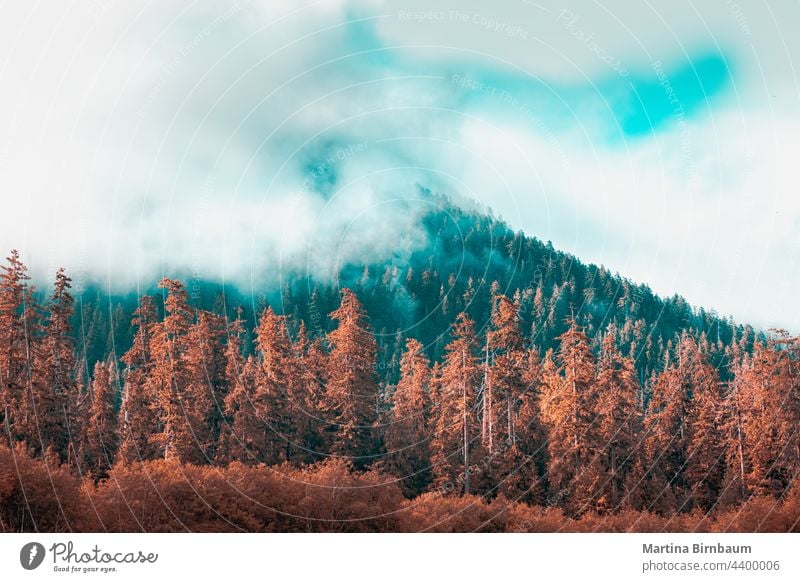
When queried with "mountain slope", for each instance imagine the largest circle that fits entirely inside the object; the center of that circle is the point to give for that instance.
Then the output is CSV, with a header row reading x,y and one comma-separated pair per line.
x,y
469,255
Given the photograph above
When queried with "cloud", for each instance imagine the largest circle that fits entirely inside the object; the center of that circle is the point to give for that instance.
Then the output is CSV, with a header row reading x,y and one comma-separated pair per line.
x,y
242,143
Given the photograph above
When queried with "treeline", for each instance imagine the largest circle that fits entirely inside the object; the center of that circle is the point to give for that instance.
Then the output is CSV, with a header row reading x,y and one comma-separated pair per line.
x,y
570,428
449,267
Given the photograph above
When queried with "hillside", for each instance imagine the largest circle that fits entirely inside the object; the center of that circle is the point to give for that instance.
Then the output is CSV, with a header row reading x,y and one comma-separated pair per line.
x,y
419,294
486,372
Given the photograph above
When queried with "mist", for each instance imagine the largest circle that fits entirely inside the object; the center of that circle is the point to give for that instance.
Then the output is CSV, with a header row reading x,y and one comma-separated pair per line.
x,y
273,139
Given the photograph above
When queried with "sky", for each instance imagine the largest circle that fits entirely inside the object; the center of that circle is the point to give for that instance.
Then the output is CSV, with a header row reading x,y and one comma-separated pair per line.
x,y
243,142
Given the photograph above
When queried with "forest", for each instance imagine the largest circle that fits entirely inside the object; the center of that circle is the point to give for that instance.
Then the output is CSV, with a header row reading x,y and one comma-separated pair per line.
x,y
486,382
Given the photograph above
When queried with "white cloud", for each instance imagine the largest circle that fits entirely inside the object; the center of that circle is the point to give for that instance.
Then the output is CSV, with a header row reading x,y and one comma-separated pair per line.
x,y
141,139
716,221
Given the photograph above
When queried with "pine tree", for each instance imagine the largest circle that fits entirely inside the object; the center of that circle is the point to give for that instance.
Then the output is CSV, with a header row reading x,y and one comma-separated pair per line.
x,y
619,422
206,371
138,422
170,378
18,324
705,460
101,428
660,482
771,390
531,436
277,383
568,412
736,455
352,392
407,438
245,440
455,444
513,471
310,418
680,420
507,370
235,390
54,376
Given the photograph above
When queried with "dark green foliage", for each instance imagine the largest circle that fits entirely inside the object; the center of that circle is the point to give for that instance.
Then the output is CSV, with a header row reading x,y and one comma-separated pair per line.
x,y
466,251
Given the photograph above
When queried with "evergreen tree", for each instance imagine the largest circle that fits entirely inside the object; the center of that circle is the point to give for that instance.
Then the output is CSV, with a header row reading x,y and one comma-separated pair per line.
x,y
101,428
619,424
310,417
54,381
277,383
705,460
455,444
568,411
207,382
181,408
407,438
514,472
352,392
138,420
18,331
771,393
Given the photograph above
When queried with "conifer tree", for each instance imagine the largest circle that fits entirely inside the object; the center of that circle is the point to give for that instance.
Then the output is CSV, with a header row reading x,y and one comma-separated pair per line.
x,y
181,410
207,388
244,441
352,392
277,382
531,436
507,369
734,412
101,426
618,425
705,459
513,471
138,422
568,411
54,379
771,390
18,321
676,427
456,439
310,418
660,482
234,384
407,438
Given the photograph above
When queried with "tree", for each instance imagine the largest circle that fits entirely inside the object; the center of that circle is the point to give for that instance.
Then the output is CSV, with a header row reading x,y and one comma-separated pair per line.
x,y
407,438
55,386
277,383
619,422
511,381
101,428
568,410
206,373
454,446
352,391
734,412
705,459
661,484
138,420
245,440
770,391
236,391
18,332
310,418
182,405
682,444
530,464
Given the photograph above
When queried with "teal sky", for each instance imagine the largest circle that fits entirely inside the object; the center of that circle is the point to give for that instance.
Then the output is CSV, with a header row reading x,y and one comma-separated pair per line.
x,y
230,142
